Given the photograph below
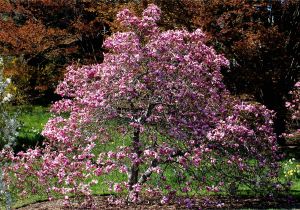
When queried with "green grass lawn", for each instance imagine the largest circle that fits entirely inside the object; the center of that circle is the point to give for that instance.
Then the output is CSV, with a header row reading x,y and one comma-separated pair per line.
x,y
33,118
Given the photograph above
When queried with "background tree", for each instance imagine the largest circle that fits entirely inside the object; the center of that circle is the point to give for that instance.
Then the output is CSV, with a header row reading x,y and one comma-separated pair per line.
x,y
44,36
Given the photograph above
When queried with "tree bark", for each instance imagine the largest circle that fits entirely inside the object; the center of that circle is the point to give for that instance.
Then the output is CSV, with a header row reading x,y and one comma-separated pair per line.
x,y
134,170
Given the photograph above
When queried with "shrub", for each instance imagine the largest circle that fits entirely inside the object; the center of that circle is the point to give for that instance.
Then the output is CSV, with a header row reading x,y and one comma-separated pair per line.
x,y
182,130
8,123
291,170
8,130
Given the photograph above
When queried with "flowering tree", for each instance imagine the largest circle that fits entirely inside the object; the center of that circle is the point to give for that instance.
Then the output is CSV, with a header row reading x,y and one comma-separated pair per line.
x,y
177,123
294,108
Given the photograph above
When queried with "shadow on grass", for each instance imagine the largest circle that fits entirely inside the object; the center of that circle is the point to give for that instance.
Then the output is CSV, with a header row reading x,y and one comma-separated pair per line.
x,y
28,141
32,120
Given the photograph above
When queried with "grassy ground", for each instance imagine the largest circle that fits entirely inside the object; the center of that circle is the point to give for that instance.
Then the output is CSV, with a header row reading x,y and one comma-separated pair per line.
x,y
33,118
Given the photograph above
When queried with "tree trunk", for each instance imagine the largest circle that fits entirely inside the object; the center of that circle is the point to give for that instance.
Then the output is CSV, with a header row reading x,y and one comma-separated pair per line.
x,y
134,169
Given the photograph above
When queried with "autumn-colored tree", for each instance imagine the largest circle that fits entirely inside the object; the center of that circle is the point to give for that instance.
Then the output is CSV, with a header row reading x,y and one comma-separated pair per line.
x,y
44,36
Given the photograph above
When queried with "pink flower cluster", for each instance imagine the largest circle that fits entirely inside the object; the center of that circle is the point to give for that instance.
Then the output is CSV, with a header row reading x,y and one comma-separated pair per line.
x,y
294,107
